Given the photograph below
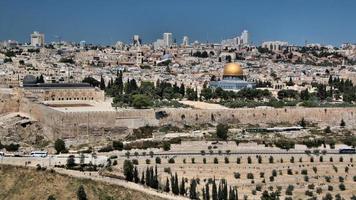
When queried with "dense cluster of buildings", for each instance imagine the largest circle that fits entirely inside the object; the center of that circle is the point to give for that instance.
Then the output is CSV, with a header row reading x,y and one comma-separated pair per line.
x,y
194,64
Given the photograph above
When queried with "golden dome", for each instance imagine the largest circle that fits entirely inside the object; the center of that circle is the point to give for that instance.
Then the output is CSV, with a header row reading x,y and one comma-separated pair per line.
x,y
233,69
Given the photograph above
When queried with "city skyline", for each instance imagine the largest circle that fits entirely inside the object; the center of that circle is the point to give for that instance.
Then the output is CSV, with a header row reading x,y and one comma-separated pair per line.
x,y
325,22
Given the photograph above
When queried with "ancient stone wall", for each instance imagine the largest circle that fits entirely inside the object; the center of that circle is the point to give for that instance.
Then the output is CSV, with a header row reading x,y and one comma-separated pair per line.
x,y
9,101
292,115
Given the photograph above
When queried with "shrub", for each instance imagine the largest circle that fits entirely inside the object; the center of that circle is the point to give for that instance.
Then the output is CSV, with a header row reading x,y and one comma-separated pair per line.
x,y
262,174
226,160
341,159
292,159
271,178
237,175
321,159
249,160
330,188
167,170
158,160
184,161
354,178
259,187
274,173
304,172
135,161
289,190
204,160
193,160
309,193
315,169
118,145
306,178
238,160
148,161
216,161
289,172
166,146
250,176
342,187
171,160
202,152
221,131
341,179
271,159
311,186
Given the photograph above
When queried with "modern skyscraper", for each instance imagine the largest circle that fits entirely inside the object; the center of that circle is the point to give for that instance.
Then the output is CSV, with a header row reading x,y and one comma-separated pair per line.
x,y
168,39
136,40
245,37
37,39
185,41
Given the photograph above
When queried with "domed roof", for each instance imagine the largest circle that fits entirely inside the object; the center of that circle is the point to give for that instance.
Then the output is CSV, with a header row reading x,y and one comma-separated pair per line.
x,y
233,69
29,79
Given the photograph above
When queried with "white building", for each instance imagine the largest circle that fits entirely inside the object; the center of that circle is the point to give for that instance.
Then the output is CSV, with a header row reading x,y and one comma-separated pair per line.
x,y
242,40
158,44
37,39
167,39
274,45
245,37
185,41
136,40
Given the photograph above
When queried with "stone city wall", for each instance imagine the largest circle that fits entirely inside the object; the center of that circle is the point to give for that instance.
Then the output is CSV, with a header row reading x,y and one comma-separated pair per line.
x,y
111,124
291,115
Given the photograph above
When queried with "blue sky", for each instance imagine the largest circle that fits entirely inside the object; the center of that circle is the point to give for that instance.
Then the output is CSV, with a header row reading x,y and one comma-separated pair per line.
x,y
107,21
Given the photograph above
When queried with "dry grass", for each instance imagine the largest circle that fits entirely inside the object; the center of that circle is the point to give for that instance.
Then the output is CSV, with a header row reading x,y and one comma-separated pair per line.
x,y
22,183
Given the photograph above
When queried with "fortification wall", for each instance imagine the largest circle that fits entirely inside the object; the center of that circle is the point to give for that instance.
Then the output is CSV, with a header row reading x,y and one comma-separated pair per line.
x,y
87,125
292,115
9,101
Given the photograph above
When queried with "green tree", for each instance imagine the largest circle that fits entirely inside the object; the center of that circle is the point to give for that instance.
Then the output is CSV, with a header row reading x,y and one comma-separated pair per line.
x,y
60,146
51,197
118,145
102,83
141,101
81,195
193,190
128,170
221,131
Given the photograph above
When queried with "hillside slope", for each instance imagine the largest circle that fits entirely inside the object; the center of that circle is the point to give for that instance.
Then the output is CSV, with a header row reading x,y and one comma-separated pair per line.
x,y
22,183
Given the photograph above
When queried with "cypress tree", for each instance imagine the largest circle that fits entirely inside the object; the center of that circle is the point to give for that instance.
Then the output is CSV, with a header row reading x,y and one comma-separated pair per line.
x,y
102,83
207,192
81,193
172,184
182,187
135,175
166,189
143,178
176,186
193,190
147,176
214,192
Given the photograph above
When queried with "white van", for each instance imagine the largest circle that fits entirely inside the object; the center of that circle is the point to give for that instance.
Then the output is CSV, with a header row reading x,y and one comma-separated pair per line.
x,y
41,154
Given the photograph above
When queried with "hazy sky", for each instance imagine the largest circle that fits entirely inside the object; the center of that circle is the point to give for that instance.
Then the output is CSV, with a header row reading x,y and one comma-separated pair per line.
x,y
107,21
